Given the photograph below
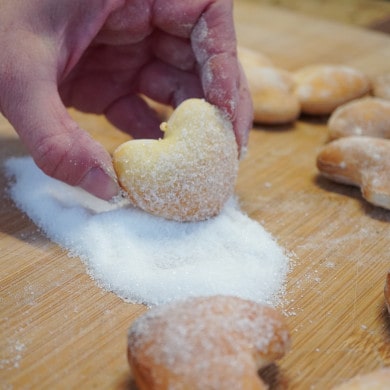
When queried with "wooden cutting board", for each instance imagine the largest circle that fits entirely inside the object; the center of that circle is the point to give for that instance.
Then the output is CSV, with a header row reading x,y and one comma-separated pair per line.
x,y
60,331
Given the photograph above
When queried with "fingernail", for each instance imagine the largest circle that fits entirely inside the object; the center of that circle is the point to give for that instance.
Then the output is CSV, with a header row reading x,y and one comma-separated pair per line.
x,y
100,184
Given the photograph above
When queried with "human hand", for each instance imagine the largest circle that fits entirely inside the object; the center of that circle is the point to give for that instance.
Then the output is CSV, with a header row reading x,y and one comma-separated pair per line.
x,y
98,56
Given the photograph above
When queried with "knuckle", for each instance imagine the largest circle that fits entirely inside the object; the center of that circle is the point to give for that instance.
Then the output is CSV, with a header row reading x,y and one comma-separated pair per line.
x,y
56,156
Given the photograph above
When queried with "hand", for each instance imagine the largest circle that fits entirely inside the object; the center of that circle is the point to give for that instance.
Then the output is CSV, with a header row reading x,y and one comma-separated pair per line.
x,y
98,56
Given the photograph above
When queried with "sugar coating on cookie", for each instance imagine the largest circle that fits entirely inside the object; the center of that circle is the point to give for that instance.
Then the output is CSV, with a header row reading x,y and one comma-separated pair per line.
x,y
252,59
387,292
368,116
216,342
376,380
271,89
322,88
361,161
381,86
190,173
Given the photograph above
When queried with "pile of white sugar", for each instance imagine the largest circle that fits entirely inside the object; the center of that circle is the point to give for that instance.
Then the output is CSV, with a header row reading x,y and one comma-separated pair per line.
x,y
147,259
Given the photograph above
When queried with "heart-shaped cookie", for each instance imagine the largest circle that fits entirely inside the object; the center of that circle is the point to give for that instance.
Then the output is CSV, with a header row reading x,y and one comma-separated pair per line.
x,y
190,173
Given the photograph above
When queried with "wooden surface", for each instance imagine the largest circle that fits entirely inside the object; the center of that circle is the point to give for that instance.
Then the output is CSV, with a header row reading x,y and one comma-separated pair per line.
x,y
60,331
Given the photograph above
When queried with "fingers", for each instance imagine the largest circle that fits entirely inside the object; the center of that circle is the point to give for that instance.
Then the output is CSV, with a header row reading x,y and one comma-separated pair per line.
x,y
58,146
39,41
244,114
133,115
169,85
174,50
209,26
104,74
214,44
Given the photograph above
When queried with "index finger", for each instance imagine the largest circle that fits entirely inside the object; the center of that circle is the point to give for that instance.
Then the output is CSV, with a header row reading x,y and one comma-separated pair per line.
x,y
209,26
215,47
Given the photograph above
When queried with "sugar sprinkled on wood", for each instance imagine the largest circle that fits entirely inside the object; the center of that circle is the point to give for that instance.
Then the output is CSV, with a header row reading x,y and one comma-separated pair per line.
x,y
147,259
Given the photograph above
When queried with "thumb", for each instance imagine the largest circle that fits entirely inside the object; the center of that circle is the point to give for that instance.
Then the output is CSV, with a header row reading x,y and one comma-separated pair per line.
x,y
57,144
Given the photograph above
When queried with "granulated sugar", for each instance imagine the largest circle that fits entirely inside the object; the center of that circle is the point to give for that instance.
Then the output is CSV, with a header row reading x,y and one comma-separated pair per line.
x,y
147,259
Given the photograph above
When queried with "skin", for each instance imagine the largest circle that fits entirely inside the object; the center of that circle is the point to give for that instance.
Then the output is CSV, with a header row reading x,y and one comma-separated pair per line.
x,y
97,56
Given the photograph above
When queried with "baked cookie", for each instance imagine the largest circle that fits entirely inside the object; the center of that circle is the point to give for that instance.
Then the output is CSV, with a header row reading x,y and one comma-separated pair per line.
x,y
190,173
322,88
381,86
272,93
366,116
359,161
387,292
376,380
205,343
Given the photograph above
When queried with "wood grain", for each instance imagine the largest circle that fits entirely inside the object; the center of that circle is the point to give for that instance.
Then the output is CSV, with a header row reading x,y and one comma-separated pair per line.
x,y
59,330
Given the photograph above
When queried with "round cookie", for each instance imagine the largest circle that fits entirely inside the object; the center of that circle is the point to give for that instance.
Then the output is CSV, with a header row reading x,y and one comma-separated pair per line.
x,y
271,89
205,343
272,94
322,88
190,173
250,59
